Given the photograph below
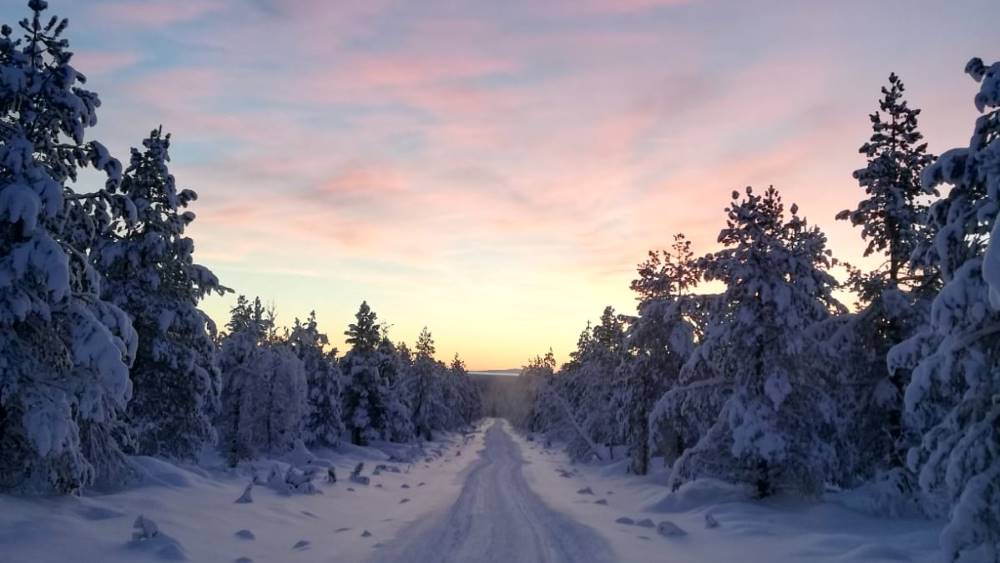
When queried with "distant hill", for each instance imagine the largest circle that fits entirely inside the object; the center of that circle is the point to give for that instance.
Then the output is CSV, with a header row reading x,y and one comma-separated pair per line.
x,y
504,372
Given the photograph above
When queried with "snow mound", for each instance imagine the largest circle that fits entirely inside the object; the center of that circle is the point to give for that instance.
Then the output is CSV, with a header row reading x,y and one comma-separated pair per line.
x,y
875,553
668,529
95,512
886,495
625,520
158,472
363,452
148,538
700,493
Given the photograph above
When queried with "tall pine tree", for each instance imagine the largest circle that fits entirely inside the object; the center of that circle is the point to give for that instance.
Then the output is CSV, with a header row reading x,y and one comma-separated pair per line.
x,y
893,297
149,272
366,392
658,342
64,352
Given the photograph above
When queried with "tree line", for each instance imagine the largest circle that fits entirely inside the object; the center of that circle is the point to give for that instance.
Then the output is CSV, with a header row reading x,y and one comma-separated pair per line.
x,y
103,349
774,383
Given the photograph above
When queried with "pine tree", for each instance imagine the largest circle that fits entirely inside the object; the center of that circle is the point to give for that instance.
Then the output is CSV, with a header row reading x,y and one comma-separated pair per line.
x,y
264,389
469,403
64,352
892,215
952,397
427,401
366,392
772,426
578,406
239,355
150,273
323,425
394,365
658,342
893,296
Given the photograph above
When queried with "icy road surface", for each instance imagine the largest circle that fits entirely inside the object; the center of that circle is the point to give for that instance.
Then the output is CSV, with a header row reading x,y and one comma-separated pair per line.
x,y
497,518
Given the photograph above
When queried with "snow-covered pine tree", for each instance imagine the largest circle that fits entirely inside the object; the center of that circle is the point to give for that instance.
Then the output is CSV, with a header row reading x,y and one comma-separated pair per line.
x,y
953,398
891,217
365,392
772,430
239,355
893,297
469,403
394,365
323,425
282,394
64,352
596,376
658,342
264,390
428,402
533,412
150,273
578,406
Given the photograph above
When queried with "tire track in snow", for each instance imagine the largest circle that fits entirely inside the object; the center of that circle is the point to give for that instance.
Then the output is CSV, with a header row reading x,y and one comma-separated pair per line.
x,y
497,519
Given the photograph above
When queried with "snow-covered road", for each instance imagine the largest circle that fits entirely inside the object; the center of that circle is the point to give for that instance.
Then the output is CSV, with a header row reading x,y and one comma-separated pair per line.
x,y
497,518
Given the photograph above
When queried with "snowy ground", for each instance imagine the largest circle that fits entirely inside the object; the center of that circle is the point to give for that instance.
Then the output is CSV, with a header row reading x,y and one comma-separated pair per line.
x,y
497,519
488,496
195,508
779,530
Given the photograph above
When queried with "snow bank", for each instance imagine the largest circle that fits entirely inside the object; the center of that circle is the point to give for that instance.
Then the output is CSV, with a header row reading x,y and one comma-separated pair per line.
x,y
196,518
712,521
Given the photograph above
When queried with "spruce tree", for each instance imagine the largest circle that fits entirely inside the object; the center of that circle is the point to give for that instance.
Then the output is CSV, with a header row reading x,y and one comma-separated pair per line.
x,y
64,352
149,272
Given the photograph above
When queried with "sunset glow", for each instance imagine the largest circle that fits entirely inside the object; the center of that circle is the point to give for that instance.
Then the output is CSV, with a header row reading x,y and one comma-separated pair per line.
x,y
495,170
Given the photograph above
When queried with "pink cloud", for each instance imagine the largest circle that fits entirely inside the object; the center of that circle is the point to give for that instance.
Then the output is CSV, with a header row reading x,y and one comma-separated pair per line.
x,y
624,6
92,63
157,13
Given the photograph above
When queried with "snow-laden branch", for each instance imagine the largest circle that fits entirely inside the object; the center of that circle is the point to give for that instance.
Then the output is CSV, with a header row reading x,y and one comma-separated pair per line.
x,y
572,419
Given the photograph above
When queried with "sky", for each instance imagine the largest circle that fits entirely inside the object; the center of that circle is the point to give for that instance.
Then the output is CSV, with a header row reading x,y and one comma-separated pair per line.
x,y
495,170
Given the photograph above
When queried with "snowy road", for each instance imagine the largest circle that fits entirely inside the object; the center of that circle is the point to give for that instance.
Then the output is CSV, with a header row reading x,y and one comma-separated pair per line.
x,y
497,518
